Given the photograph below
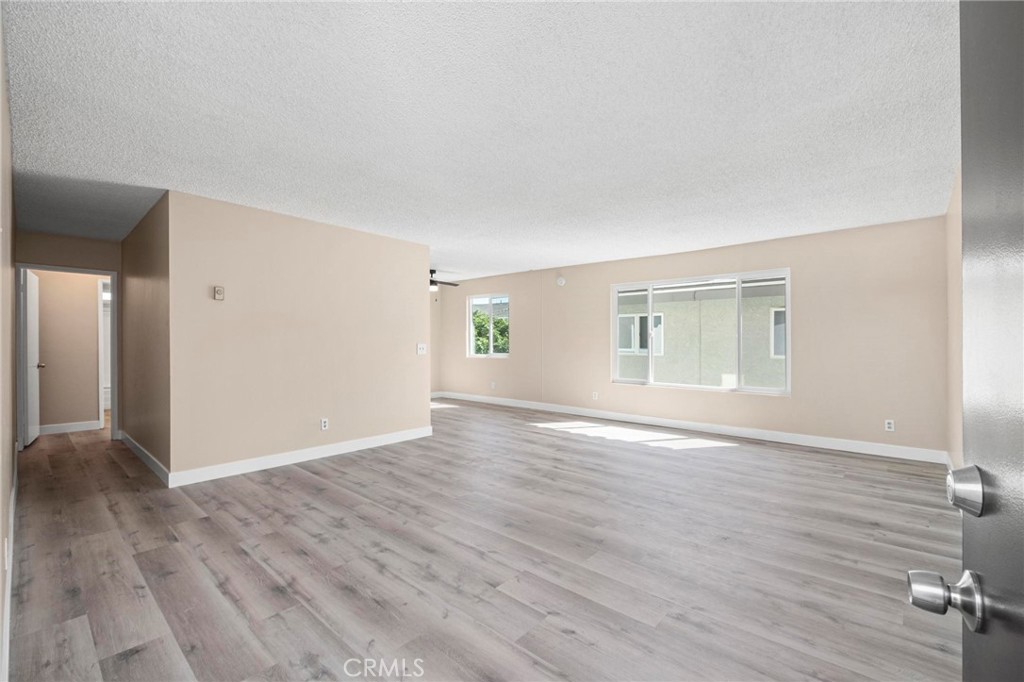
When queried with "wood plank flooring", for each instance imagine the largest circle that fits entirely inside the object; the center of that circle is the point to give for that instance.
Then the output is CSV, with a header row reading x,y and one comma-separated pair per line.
x,y
512,545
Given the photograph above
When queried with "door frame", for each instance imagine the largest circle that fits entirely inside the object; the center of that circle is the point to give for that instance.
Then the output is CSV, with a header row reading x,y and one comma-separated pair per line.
x,y
101,347
21,322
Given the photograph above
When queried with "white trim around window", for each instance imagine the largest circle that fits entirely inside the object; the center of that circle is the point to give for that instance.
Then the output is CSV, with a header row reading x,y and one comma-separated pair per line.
x,y
490,300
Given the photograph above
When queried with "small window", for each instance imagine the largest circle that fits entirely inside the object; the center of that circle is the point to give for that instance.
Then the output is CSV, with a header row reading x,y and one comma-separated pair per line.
x,y
634,334
488,326
778,334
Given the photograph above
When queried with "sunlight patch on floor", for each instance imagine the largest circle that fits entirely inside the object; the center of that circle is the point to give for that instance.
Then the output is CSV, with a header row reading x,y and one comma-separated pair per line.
x,y
691,443
630,434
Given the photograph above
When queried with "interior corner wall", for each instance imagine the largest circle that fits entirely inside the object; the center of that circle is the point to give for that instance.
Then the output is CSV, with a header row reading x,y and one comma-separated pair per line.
x,y
317,321
145,370
955,326
69,345
868,323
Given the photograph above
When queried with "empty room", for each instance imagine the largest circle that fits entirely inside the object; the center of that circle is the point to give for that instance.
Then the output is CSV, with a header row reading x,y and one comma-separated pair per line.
x,y
512,341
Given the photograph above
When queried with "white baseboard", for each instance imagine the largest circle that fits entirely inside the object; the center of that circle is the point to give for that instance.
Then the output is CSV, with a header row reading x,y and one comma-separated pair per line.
x,y
5,648
823,442
175,479
147,458
70,427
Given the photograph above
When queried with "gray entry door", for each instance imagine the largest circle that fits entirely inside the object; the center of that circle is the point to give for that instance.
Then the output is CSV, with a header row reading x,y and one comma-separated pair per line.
x,y
992,96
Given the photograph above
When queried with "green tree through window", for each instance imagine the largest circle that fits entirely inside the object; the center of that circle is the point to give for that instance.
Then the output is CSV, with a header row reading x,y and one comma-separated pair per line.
x,y
490,328
500,335
481,337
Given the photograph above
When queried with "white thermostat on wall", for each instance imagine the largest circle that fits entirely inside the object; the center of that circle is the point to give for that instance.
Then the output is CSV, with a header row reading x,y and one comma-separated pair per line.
x,y
218,293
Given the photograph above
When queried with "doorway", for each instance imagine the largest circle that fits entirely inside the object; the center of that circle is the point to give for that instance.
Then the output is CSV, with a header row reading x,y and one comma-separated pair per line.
x,y
66,351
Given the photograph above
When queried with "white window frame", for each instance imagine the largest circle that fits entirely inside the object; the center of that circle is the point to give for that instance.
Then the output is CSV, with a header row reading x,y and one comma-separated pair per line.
x,y
658,339
471,330
773,353
739,278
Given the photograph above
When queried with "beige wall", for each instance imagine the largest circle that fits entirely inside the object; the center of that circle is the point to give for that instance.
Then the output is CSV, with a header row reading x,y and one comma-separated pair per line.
x,y
69,345
519,374
868,320
955,316
7,407
435,341
318,321
145,335
37,248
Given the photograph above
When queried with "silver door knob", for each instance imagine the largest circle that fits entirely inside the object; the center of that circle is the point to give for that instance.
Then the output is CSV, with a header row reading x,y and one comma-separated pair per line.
x,y
40,365
927,590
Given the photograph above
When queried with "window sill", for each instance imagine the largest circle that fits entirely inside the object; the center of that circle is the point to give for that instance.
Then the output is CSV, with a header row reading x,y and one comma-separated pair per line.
x,y
490,356
781,393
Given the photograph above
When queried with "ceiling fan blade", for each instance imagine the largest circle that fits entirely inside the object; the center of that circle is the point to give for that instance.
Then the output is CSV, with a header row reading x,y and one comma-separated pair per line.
x,y
435,282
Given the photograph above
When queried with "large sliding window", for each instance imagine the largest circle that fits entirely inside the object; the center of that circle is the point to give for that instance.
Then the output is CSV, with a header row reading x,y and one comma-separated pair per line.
x,y
729,332
488,326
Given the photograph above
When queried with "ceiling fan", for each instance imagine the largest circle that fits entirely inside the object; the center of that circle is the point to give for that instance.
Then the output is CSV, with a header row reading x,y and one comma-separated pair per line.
x,y
435,282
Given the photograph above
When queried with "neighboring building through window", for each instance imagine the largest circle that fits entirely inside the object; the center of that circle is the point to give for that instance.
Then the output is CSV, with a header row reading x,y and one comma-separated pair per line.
x,y
728,332
778,332
488,325
634,334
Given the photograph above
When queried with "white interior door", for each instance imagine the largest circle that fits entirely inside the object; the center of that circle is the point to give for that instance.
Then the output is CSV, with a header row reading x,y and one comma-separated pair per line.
x,y
32,364
105,357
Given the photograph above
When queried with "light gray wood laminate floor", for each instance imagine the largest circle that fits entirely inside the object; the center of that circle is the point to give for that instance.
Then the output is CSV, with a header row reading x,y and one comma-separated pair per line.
x,y
512,544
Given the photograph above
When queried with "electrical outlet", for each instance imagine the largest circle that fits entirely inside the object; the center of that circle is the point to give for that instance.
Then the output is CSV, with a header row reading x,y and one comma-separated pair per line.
x,y
594,395
323,424
890,424
218,293
421,349
494,384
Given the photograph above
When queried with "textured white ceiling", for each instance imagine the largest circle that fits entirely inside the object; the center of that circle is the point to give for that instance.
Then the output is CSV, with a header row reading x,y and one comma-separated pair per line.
x,y
506,136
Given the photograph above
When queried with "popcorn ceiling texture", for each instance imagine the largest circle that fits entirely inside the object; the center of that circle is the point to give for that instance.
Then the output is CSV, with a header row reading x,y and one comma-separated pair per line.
x,y
506,136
